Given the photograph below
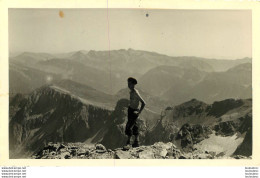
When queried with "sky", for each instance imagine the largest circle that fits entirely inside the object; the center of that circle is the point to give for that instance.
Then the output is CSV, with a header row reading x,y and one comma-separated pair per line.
x,y
221,34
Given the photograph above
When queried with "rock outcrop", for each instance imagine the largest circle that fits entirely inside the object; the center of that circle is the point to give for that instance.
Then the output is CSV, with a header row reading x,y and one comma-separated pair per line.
x,y
193,121
48,115
158,150
190,135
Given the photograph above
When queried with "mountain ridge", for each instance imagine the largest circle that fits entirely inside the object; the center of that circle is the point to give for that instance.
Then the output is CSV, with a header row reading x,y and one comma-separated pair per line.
x,y
51,115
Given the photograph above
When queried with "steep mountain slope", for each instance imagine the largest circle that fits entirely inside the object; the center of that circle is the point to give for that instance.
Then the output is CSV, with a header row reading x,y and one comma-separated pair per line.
x,y
234,83
81,73
24,79
86,93
221,65
241,74
15,103
29,58
54,114
51,115
68,54
196,63
63,68
189,123
159,80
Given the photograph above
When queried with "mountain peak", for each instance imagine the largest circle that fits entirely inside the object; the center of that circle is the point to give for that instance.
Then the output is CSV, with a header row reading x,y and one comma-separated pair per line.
x,y
79,55
194,102
219,108
244,67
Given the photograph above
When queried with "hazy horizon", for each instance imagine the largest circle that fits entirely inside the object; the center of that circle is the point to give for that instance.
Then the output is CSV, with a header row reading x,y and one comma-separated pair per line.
x,y
215,34
16,53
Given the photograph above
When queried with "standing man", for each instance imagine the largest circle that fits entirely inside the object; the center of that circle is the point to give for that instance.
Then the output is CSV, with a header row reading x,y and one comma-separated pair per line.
x,y
133,112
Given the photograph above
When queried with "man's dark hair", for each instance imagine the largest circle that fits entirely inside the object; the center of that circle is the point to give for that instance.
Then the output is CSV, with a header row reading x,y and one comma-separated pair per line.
x,y
132,80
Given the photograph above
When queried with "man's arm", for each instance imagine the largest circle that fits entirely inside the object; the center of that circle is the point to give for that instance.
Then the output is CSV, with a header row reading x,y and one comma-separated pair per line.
x,y
142,102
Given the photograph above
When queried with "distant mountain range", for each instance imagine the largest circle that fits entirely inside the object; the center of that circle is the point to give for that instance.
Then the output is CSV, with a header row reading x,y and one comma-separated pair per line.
x,y
133,61
179,85
82,96
107,71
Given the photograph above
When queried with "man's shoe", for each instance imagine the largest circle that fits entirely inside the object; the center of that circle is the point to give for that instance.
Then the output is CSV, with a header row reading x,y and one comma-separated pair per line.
x,y
136,144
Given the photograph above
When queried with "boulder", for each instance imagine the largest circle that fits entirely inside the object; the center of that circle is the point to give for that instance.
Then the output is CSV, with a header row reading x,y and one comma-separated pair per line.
x,y
166,146
163,153
65,155
100,151
240,157
83,152
182,157
61,147
122,155
146,154
100,147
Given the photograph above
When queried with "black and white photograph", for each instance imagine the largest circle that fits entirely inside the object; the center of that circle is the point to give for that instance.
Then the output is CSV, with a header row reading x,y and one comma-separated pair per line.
x,y
123,83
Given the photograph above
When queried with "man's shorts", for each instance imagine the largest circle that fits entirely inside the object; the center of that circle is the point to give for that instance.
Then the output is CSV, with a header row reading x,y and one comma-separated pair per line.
x,y
131,125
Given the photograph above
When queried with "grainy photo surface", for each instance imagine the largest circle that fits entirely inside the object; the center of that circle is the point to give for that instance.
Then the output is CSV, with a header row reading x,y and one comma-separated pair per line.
x,y
130,84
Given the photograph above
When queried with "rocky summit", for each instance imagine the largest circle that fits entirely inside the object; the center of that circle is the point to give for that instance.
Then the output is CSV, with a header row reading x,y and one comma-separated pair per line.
x,y
158,150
